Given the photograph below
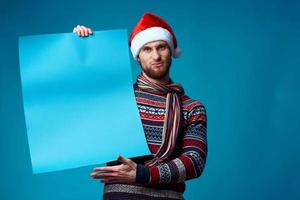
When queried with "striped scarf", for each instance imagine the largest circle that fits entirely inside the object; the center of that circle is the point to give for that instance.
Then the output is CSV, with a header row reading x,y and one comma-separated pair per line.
x,y
172,116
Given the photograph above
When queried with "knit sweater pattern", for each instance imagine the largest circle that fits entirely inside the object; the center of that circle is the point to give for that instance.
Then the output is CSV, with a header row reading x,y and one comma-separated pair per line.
x,y
167,180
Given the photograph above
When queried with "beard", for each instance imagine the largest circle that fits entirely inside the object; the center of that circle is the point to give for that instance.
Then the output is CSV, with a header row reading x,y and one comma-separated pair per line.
x,y
157,74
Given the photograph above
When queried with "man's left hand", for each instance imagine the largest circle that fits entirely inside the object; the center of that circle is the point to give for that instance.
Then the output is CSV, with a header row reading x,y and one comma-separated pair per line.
x,y
123,173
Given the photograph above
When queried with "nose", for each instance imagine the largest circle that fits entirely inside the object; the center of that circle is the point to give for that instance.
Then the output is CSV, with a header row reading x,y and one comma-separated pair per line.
x,y
155,54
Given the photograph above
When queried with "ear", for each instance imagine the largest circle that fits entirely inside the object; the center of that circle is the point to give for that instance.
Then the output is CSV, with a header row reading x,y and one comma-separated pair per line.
x,y
138,60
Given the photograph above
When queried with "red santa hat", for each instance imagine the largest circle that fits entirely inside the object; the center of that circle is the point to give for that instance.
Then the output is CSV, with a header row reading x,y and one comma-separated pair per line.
x,y
151,28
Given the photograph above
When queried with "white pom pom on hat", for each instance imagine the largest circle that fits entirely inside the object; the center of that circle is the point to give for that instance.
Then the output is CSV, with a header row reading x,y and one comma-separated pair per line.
x,y
177,52
152,28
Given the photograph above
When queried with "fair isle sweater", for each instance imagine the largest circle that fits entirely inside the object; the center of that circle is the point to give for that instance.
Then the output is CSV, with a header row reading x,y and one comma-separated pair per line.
x,y
166,180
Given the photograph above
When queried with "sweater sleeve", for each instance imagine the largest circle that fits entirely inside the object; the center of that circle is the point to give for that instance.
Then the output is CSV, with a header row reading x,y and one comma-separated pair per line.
x,y
192,157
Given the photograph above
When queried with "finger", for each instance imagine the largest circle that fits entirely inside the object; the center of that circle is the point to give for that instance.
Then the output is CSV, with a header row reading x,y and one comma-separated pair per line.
x,y
116,180
111,180
80,30
122,159
107,169
125,161
103,172
103,175
85,31
90,31
83,28
77,29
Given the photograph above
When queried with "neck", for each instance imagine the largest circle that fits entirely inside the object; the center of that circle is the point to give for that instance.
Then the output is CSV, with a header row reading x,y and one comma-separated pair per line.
x,y
164,80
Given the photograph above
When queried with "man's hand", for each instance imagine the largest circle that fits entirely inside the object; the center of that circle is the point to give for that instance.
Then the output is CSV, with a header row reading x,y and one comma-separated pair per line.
x,y
82,31
124,173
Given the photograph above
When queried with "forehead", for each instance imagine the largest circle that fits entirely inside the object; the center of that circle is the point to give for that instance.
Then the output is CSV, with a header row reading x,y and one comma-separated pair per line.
x,y
155,43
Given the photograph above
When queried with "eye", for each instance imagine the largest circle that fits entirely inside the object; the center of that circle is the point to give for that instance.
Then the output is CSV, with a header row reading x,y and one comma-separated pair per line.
x,y
162,47
147,49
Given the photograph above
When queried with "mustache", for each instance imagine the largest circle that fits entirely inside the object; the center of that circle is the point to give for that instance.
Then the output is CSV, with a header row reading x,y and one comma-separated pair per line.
x,y
156,63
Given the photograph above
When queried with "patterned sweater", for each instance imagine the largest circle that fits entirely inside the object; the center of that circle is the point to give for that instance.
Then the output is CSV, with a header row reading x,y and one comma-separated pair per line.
x,y
166,181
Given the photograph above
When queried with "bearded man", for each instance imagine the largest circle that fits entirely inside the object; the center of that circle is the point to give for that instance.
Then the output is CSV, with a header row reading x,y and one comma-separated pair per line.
x,y
174,124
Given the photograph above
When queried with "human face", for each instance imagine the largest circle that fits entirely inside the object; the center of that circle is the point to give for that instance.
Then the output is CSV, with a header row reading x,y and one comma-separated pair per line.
x,y
155,60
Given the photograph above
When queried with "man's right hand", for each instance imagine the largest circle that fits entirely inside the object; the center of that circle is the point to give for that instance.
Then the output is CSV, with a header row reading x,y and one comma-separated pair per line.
x,y
82,31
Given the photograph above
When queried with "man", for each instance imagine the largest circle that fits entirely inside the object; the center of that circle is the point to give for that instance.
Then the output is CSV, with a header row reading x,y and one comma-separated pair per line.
x,y
174,124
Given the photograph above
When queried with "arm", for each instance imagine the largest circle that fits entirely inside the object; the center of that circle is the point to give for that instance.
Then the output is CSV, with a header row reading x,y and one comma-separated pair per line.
x,y
191,161
188,165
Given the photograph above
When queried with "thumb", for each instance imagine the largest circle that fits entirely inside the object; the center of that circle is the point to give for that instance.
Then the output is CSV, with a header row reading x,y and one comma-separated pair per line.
x,y
122,159
125,161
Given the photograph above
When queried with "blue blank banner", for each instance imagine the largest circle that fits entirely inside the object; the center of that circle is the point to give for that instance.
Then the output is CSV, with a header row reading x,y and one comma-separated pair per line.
x,y
78,100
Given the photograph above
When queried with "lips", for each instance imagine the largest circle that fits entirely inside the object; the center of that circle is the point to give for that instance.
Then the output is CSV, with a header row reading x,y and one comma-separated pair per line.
x,y
157,64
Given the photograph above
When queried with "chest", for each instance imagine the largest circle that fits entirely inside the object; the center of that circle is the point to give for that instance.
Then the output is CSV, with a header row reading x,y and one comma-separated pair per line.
x,y
153,118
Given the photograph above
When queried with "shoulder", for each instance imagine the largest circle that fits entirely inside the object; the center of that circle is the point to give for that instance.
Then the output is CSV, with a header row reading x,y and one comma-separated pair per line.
x,y
190,104
193,110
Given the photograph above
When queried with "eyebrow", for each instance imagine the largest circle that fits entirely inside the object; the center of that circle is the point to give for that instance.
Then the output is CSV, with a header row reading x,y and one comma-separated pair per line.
x,y
157,45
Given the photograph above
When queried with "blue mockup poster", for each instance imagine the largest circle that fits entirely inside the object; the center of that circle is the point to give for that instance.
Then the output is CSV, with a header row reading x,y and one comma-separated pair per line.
x,y
78,100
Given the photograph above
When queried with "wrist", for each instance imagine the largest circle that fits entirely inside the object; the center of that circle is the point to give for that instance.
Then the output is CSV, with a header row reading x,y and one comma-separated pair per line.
x,y
142,174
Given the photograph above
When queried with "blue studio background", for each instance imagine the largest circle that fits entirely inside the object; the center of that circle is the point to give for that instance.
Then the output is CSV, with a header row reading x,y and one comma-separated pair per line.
x,y
240,58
